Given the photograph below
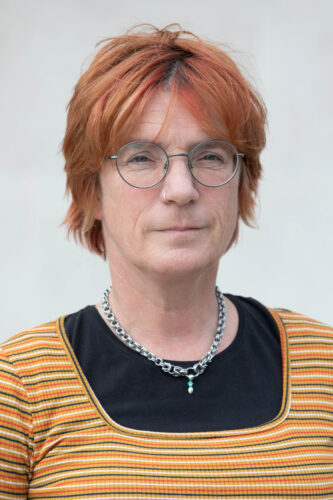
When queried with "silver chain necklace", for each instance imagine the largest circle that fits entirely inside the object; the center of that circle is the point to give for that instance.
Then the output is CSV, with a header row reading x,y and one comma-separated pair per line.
x,y
177,371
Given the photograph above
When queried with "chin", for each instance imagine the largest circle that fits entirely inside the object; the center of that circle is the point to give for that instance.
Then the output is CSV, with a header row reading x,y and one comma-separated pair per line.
x,y
181,264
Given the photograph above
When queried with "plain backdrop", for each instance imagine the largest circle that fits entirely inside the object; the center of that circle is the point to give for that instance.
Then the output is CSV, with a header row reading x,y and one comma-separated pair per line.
x,y
285,47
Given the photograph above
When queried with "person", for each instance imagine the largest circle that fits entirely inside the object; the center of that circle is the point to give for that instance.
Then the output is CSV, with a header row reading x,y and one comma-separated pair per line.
x,y
168,388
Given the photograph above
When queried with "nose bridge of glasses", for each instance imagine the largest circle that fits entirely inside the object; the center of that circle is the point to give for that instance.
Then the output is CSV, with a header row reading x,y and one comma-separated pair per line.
x,y
180,154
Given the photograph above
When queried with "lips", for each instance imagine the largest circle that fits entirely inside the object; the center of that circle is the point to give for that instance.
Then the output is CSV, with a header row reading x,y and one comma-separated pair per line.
x,y
181,229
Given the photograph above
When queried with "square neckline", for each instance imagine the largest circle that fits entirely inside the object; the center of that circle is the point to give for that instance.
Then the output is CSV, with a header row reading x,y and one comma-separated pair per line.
x,y
179,436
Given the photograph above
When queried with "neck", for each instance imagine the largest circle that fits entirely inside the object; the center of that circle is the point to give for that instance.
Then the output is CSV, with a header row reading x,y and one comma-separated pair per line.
x,y
174,319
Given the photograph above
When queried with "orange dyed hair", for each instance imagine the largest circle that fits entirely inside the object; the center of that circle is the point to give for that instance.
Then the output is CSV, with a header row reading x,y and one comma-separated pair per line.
x,y
110,96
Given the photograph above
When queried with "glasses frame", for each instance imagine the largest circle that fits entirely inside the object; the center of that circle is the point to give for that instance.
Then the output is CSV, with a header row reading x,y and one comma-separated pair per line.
x,y
188,163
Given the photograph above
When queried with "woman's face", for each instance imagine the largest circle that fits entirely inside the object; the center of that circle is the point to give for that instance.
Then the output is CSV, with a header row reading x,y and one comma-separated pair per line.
x,y
177,227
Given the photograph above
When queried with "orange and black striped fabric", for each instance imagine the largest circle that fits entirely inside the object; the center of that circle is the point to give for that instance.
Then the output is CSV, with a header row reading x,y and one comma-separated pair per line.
x,y
56,441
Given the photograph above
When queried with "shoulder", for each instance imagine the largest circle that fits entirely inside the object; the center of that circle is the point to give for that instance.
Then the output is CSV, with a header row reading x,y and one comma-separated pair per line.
x,y
38,336
296,326
35,363
30,349
306,336
297,323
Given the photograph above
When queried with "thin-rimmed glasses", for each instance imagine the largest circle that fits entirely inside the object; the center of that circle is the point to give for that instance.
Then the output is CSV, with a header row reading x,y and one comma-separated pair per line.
x,y
144,164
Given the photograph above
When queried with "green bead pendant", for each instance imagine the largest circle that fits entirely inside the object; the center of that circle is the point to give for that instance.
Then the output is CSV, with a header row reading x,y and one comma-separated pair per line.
x,y
190,384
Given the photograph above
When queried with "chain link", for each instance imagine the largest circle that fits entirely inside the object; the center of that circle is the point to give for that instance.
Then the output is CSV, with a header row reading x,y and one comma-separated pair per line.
x,y
175,370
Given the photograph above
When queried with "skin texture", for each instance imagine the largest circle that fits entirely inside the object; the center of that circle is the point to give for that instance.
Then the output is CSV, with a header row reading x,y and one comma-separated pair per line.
x,y
164,243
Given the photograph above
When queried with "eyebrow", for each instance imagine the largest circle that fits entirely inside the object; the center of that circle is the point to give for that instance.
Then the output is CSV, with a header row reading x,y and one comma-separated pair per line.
x,y
189,146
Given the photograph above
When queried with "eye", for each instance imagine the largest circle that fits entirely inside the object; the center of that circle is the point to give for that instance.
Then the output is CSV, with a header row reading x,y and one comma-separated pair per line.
x,y
139,158
139,161
211,157
142,159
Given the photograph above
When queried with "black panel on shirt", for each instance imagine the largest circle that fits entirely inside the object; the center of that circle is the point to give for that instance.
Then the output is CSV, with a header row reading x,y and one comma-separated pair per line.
x,y
242,387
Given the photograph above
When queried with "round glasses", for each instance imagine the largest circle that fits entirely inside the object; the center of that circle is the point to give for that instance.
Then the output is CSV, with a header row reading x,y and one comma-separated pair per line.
x,y
143,164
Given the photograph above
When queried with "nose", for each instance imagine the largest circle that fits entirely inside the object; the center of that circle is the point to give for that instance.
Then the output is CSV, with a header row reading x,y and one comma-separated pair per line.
x,y
178,185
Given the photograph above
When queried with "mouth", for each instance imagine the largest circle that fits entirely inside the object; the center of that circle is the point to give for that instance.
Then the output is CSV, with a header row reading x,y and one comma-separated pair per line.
x,y
181,229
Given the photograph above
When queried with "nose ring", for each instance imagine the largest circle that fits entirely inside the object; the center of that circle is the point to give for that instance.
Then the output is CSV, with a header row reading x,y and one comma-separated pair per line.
x,y
165,197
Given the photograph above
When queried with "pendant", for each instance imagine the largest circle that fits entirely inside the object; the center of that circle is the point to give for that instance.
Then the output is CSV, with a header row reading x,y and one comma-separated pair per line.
x,y
190,384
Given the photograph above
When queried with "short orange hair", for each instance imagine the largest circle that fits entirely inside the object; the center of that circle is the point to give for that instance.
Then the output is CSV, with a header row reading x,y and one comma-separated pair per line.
x,y
110,96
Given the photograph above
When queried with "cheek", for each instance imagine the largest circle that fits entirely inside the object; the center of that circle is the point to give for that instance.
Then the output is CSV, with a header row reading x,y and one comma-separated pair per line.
x,y
233,194
228,205
235,204
233,214
227,218
123,212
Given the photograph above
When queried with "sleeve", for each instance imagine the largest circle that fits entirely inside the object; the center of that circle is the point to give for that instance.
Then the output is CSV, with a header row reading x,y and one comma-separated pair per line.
x,y
15,433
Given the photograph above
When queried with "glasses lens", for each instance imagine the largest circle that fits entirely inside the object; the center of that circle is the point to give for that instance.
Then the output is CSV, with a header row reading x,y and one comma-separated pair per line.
x,y
213,162
141,164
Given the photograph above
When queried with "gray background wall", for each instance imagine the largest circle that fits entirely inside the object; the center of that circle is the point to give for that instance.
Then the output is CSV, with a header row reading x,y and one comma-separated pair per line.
x,y
287,48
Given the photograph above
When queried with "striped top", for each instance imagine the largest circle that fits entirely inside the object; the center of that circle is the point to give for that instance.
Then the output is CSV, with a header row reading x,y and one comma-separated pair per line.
x,y
56,441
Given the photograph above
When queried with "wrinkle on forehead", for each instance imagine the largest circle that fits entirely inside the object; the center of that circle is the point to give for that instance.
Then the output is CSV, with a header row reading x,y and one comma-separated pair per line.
x,y
168,106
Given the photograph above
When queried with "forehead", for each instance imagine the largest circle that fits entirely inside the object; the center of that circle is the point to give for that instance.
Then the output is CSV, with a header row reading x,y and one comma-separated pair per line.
x,y
165,117
171,119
